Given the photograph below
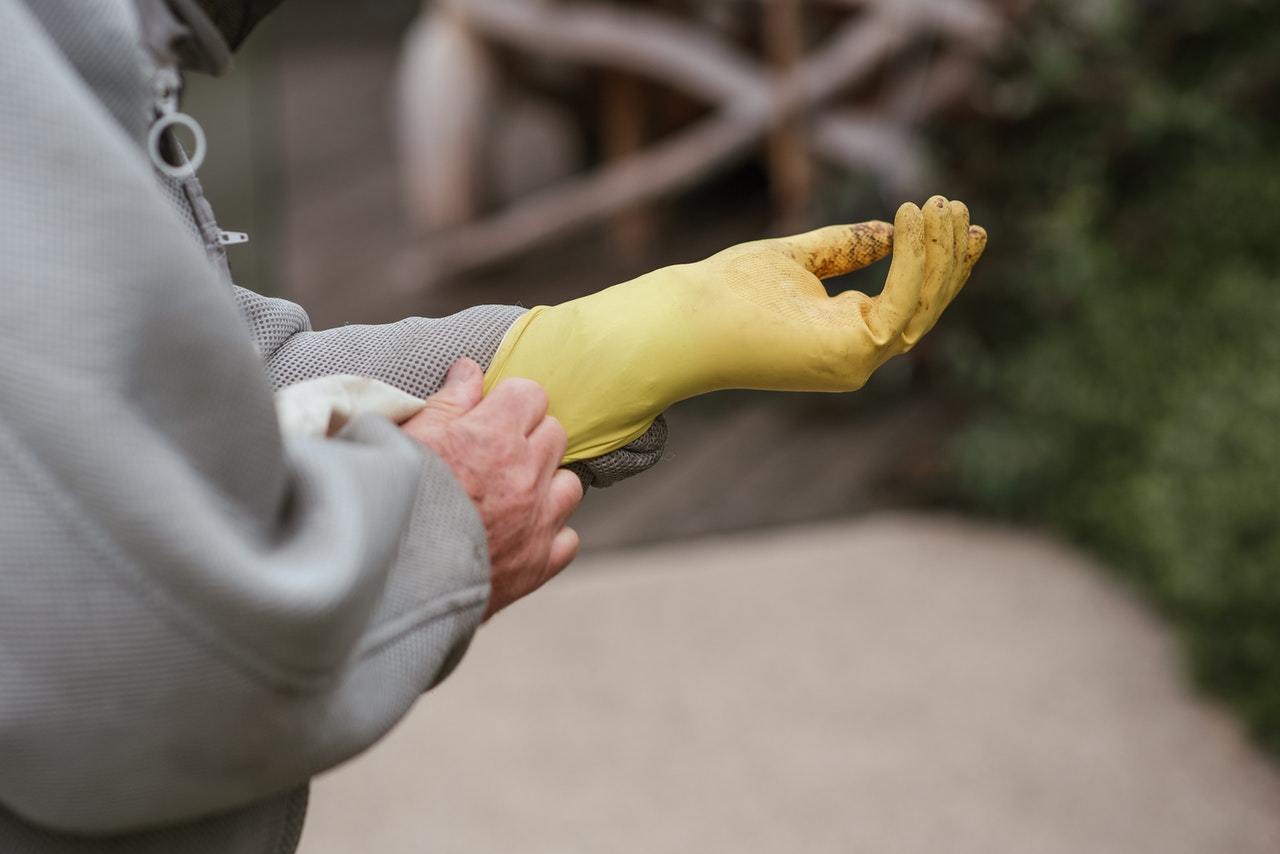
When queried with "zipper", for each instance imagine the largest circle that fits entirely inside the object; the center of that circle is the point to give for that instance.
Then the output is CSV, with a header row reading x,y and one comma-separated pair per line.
x,y
166,87
172,160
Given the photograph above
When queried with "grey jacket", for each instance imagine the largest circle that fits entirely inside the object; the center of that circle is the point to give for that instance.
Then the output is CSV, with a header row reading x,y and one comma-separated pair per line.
x,y
195,616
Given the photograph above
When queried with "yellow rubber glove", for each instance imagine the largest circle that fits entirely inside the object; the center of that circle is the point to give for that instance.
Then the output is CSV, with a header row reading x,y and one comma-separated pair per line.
x,y
752,316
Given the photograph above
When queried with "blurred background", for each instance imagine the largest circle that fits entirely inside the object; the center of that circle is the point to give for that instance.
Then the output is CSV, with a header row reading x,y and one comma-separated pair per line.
x,y
1110,376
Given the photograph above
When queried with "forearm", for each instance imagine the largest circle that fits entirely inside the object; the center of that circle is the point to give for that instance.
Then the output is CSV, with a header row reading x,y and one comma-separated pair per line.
x,y
413,355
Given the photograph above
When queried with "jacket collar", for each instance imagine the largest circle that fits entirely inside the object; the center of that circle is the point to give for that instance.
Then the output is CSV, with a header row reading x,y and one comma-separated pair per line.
x,y
179,34
235,18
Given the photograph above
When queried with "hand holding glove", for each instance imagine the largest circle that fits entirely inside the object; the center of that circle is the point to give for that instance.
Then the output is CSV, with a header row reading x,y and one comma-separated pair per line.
x,y
755,316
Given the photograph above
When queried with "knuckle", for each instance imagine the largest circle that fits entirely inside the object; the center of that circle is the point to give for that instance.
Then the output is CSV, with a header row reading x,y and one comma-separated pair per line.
x,y
554,428
525,388
522,480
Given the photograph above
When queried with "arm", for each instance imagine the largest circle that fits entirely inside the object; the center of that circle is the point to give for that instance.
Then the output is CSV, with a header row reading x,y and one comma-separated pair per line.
x,y
753,316
414,355
194,616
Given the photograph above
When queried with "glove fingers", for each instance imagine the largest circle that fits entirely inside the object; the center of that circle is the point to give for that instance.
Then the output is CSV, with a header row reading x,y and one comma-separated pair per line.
x,y
896,304
839,249
944,261
977,243
960,224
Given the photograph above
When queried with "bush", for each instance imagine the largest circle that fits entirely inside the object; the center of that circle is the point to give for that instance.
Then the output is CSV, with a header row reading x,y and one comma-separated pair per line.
x,y
1122,353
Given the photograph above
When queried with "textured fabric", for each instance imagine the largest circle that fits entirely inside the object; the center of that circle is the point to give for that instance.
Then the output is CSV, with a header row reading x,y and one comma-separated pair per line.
x,y
640,454
194,616
180,33
274,826
413,355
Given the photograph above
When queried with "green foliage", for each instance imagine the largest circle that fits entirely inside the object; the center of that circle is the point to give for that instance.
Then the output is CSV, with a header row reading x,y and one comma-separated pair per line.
x,y
1123,354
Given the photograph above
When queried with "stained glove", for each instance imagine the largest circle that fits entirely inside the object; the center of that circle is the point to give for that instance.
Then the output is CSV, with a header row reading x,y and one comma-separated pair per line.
x,y
753,316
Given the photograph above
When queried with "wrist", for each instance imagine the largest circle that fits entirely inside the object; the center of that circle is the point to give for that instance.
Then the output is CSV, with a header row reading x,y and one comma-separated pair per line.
x,y
604,361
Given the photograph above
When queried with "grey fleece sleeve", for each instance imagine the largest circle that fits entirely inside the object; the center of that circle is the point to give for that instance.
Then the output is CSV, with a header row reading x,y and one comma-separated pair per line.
x,y
194,616
413,355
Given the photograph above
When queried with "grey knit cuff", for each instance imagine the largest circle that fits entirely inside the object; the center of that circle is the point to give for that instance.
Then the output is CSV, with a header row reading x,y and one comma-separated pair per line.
x,y
631,459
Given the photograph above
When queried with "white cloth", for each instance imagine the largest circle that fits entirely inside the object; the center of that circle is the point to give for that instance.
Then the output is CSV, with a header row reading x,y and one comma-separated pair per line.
x,y
323,406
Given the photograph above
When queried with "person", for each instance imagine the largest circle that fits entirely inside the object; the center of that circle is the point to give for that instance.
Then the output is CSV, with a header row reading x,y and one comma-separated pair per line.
x,y
198,613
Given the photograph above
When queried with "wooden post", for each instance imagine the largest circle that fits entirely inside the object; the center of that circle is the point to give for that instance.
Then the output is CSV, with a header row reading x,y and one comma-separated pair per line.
x,y
790,167
624,132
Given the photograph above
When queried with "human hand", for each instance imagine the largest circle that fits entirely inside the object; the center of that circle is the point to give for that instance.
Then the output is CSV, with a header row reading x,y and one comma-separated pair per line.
x,y
755,315
506,453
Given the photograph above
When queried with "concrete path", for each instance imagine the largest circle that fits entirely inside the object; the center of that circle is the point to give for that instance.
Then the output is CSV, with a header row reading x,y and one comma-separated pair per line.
x,y
903,684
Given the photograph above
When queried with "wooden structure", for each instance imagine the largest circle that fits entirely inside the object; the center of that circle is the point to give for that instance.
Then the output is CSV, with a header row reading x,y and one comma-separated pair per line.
x,y
803,81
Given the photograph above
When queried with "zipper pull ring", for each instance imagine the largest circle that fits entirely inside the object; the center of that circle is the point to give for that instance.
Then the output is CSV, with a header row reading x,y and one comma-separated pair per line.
x,y
167,83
